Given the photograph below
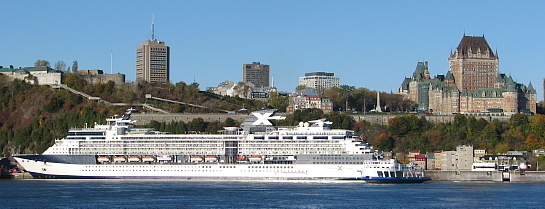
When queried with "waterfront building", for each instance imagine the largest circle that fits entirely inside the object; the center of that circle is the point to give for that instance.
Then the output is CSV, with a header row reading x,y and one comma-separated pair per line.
x,y
256,74
472,86
464,154
459,160
153,60
319,81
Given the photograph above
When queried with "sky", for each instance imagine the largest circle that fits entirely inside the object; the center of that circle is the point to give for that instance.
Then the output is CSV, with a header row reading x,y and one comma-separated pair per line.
x,y
369,44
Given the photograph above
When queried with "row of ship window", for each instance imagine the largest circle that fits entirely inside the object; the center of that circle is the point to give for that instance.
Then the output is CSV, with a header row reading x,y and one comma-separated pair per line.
x,y
85,144
71,136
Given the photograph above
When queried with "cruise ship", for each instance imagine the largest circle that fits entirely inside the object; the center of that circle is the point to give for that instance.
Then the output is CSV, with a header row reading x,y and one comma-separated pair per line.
x,y
256,150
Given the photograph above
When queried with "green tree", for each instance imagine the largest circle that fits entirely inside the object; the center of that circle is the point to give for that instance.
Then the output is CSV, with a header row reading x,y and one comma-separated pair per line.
x,y
229,122
42,63
300,87
60,65
278,102
75,66
197,125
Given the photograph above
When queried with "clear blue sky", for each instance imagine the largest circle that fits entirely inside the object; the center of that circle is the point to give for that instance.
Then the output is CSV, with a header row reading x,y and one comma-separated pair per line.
x,y
371,44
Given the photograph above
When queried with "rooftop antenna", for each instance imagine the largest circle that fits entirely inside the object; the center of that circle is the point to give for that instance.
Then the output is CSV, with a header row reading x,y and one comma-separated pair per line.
x,y
153,27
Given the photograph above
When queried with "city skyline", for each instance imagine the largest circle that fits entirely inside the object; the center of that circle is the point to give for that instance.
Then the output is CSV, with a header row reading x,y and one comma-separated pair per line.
x,y
366,44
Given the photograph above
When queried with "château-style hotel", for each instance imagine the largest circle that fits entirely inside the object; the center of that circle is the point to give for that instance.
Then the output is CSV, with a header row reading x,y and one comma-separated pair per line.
x,y
472,86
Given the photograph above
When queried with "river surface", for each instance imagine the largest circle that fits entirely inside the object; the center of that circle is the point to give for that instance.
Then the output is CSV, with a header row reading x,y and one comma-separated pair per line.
x,y
173,193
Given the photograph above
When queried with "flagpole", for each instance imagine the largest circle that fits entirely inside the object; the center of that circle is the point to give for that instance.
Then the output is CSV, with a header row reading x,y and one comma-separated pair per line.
x,y
111,61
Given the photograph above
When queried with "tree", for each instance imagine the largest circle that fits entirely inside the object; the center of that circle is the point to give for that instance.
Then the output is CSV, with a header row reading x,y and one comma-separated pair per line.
x,y
385,142
60,65
42,63
75,66
300,87
278,102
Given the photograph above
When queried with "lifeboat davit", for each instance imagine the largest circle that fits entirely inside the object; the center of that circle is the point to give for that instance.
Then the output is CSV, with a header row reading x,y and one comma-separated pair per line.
x,y
254,158
120,159
134,159
164,157
211,158
103,159
148,158
196,158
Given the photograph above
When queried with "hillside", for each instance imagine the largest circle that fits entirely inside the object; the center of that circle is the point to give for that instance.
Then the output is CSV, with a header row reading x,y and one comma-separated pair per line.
x,y
33,116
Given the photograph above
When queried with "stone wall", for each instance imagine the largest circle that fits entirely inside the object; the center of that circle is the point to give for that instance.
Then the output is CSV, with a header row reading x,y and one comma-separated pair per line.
x,y
513,176
142,119
383,119
375,119
104,78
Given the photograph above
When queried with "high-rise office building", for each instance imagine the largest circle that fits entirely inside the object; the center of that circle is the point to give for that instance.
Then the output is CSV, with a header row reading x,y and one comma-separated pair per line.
x,y
256,73
319,81
153,60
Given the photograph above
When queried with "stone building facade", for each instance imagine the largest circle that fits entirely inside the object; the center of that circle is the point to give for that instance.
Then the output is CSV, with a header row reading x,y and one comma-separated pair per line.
x,y
98,76
472,86
299,102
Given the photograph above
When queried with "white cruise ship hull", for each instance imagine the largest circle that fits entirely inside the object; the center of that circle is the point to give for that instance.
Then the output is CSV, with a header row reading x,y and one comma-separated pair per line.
x,y
40,169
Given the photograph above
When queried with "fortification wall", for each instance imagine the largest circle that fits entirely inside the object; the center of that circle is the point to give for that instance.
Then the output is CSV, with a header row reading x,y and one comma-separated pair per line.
x,y
142,119
383,119
103,78
375,119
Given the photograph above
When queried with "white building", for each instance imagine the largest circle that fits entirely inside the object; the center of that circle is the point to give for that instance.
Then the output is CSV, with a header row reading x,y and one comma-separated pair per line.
x,y
319,81
34,75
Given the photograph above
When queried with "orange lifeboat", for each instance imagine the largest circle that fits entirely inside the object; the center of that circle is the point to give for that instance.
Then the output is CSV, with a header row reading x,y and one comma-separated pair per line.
x,y
103,159
254,158
211,158
148,158
196,158
120,159
241,158
134,158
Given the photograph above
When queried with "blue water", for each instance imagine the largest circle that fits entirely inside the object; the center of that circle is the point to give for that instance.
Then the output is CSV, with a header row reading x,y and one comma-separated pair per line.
x,y
37,193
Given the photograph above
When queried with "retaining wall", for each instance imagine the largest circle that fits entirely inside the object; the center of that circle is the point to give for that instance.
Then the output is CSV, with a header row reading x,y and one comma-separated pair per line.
x,y
513,176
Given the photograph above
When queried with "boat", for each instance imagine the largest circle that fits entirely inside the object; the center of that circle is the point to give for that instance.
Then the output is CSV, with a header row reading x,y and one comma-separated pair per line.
x,y
103,159
255,150
196,158
164,157
254,158
211,158
134,158
120,159
148,158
